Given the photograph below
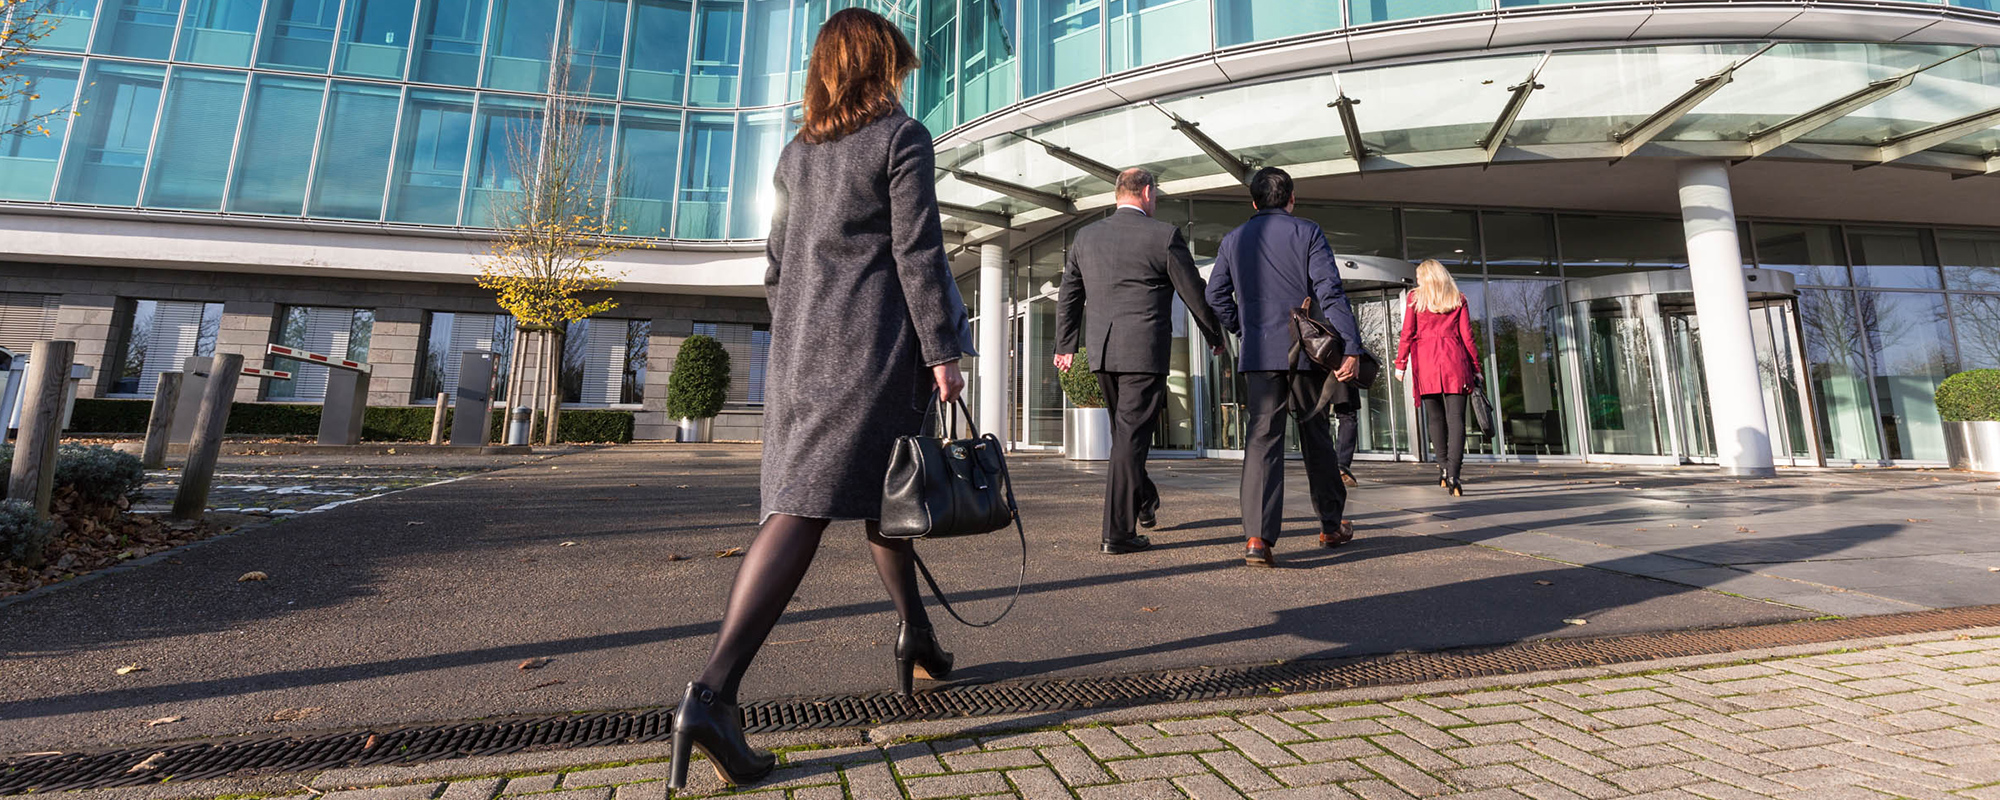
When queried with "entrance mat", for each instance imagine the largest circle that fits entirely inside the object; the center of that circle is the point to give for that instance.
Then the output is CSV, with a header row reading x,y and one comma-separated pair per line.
x,y
299,753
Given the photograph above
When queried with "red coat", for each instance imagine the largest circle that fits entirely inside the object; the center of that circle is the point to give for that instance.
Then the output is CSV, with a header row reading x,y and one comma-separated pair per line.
x,y
1443,349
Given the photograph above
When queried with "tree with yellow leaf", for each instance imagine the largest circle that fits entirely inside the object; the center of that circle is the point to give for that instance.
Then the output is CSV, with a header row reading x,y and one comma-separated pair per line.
x,y
555,226
22,24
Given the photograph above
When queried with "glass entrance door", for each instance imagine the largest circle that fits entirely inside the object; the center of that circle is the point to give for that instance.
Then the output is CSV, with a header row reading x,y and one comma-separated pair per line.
x,y
1773,330
1622,372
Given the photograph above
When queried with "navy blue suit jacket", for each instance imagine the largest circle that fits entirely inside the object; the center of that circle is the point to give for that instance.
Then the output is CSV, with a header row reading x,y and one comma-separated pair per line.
x,y
1264,269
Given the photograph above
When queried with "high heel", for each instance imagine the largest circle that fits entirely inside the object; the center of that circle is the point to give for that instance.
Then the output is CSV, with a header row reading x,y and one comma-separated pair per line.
x,y
1444,482
1457,487
917,650
716,727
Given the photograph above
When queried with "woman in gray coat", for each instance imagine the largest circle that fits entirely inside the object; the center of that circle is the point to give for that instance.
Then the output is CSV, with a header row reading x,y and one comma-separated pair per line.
x,y
862,332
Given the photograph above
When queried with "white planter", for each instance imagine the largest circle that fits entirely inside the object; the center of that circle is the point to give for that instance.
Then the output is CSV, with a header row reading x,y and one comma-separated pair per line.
x,y
1087,434
697,430
1973,445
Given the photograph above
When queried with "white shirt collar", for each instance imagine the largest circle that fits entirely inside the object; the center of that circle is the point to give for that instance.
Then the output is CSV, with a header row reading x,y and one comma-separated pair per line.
x,y
1133,207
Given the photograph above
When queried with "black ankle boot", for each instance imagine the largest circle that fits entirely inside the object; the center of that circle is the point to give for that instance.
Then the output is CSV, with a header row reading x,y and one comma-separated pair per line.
x,y
918,649
716,727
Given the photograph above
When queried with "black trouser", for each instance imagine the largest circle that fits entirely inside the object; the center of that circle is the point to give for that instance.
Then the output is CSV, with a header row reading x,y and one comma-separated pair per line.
x,y
1344,435
1264,455
1444,417
1135,400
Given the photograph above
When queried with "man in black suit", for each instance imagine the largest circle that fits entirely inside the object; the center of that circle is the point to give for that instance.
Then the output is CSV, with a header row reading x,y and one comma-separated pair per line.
x,y
1130,265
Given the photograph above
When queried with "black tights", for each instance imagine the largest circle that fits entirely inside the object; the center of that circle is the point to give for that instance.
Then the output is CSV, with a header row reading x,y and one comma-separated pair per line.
x,y
770,575
1444,417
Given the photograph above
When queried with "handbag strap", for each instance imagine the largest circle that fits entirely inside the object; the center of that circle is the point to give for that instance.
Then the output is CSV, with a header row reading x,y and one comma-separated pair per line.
x,y
1013,510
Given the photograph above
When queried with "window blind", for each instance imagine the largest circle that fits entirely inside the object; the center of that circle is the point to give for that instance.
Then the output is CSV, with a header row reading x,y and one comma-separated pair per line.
x,y
749,349
176,330
26,319
469,332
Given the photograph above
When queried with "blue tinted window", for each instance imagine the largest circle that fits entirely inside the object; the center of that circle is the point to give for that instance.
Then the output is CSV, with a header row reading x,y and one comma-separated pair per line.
x,y
1063,42
197,130
219,32
361,122
649,146
28,157
506,140
137,28
1241,21
718,52
430,158
375,37
596,41
278,129
450,52
71,25
989,72
937,89
767,56
523,34
106,155
760,137
1363,12
1151,31
299,34
658,66
704,202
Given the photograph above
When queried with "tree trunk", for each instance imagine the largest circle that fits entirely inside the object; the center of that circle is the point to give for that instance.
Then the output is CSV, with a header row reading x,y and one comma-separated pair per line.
x,y
555,384
513,395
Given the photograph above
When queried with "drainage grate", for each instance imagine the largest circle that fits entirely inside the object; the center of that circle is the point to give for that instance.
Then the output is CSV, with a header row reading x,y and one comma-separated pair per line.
x,y
309,753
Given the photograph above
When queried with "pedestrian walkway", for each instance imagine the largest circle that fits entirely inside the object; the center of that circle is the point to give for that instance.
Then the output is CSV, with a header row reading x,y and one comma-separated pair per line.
x,y
1918,720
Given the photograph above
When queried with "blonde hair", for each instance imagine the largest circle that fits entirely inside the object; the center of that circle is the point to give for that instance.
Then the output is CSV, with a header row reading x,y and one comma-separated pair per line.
x,y
1436,291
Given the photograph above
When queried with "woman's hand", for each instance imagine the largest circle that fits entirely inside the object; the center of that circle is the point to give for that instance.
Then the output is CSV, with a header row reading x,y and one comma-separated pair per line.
x,y
950,382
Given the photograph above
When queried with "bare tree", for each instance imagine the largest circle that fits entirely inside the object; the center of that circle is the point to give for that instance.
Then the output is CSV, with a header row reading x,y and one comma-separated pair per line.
x,y
23,23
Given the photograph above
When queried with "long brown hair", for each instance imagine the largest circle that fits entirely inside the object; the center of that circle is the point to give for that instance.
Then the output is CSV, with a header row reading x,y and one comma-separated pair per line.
x,y
856,73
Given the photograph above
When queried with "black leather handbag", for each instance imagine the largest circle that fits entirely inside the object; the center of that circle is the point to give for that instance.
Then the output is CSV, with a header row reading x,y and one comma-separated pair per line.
x,y
1324,347
1482,409
938,487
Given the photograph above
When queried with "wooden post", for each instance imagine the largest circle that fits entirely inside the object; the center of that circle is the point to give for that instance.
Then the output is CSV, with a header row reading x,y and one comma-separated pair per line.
x,y
160,426
514,383
556,343
198,472
33,477
437,419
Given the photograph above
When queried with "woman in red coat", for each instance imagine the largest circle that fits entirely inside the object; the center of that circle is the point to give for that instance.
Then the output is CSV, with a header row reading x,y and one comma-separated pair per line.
x,y
1437,345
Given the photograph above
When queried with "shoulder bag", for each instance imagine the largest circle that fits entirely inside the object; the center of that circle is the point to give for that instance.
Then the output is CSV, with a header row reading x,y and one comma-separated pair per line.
x,y
1324,347
938,487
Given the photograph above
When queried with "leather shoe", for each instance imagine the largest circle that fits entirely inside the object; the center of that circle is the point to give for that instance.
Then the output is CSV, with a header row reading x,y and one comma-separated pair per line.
x,y
1149,514
1258,553
1345,535
1348,478
1123,546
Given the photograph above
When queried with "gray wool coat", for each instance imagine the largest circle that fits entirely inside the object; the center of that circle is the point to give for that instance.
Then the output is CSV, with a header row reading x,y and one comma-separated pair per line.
x,y
859,292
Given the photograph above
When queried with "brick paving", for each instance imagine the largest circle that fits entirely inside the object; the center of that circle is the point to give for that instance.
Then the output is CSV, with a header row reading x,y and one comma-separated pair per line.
x,y
1909,721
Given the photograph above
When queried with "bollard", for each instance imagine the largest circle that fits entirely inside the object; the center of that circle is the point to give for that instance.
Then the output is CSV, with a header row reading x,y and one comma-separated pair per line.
x,y
198,472
520,424
437,418
160,426
33,477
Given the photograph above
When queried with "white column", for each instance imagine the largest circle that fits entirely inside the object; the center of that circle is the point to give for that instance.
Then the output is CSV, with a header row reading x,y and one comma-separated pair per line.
x,y
993,361
1721,301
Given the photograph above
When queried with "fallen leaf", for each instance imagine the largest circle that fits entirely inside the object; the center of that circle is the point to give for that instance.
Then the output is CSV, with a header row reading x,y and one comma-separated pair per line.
x,y
535,663
253,576
414,522
1545,583
163,721
1149,609
676,557
1916,520
392,450
1963,637
152,762
129,669
730,553
567,544
292,714
682,486
631,486
1993,569
369,743
1742,529
1576,622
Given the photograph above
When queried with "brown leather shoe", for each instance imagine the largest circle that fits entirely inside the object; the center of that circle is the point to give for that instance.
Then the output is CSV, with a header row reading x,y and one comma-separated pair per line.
x,y
1348,478
1258,554
1346,535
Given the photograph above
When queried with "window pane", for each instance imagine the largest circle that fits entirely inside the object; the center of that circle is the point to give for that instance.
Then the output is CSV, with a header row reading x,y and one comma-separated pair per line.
x,y
1151,31
197,131
1978,320
337,332
450,52
299,34
1240,21
1519,244
1836,363
508,136
1607,245
375,38
718,52
430,157
28,158
704,199
1812,252
765,73
1911,342
638,342
1063,44
361,119
1447,236
158,336
749,349
137,28
107,152
71,25
759,139
1893,258
523,35
1363,12
1532,401
1971,260
596,40
989,67
277,146
658,68
219,32
1356,231
937,89
649,144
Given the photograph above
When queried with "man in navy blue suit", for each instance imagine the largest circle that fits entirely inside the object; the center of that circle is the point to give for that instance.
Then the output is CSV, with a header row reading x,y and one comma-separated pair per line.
x,y
1264,269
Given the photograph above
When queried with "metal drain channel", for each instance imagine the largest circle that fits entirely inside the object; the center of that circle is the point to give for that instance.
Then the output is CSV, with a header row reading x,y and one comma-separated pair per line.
x,y
406,745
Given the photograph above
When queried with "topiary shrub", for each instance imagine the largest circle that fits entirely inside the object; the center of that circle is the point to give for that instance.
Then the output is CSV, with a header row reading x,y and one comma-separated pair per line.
x,y
23,533
1080,384
1970,396
700,381
99,474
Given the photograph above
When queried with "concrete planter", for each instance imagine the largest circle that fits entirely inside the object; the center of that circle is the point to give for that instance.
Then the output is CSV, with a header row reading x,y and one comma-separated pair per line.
x,y
1087,434
697,430
1973,445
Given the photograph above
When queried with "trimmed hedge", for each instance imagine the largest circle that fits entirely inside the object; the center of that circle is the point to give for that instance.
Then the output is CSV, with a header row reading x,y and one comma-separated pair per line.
x,y
379,424
1970,396
1080,384
699,383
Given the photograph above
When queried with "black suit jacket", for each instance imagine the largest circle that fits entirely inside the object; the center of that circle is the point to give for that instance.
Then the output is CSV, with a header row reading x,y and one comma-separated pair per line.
x,y
1129,265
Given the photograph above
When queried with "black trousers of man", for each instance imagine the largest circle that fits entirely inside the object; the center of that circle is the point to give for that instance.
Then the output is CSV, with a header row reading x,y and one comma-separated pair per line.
x,y
1346,429
1264,455
1135,400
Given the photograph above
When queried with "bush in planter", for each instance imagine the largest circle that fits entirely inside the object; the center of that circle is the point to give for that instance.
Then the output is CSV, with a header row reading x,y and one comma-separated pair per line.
x,y
99,474
1970,396
23,533
700,381
1080,384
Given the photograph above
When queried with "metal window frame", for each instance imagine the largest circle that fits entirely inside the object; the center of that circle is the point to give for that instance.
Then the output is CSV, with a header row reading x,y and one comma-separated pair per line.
x,y
153,137
236,145
83,68
319,138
